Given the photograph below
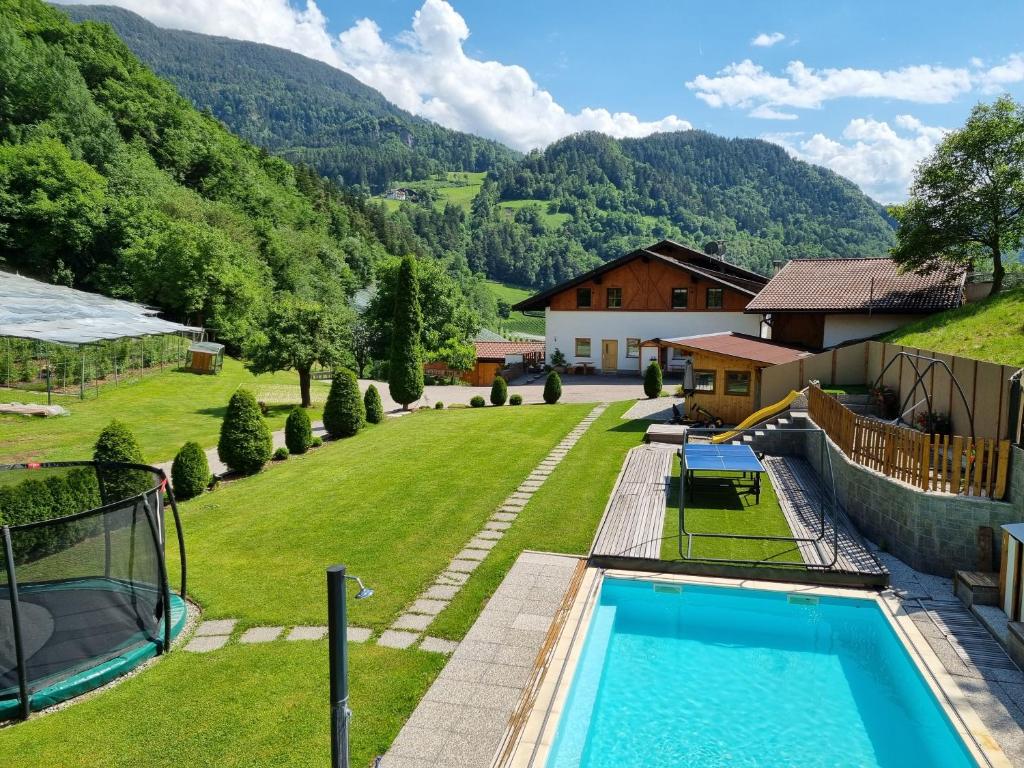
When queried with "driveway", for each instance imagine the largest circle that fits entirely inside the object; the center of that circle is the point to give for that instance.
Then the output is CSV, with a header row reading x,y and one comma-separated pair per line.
x,y
575,389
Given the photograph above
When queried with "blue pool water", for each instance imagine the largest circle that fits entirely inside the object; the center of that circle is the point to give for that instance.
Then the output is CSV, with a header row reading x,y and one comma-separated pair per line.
x,y
716,676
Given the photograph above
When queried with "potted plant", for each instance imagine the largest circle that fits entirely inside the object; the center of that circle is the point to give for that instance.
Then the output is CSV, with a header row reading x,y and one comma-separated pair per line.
x,y
558,361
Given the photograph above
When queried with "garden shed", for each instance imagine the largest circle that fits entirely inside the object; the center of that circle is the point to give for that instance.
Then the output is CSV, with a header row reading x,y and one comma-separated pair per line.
x,y
205,357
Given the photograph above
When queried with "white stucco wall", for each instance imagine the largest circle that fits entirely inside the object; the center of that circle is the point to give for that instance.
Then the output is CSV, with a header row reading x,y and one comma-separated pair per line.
x,y
840,328
563,328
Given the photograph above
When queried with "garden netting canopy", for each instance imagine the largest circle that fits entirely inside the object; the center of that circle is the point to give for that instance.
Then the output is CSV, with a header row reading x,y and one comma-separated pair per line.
x,y
30,309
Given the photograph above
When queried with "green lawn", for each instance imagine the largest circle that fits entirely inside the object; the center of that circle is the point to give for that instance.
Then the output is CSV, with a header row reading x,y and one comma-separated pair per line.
x,y
517,322
726,509
458,187
992,329
561,517
551,220
395,503
164,409
245,705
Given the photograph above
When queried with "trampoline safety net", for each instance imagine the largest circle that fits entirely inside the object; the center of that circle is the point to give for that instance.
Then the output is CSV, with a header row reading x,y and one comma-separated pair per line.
x,y
90,586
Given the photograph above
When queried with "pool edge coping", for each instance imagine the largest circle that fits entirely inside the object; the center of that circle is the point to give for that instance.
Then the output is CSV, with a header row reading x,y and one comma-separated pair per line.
x,y
537,737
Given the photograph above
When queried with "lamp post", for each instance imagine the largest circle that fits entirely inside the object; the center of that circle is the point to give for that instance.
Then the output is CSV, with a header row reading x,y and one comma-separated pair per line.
x,y
337,631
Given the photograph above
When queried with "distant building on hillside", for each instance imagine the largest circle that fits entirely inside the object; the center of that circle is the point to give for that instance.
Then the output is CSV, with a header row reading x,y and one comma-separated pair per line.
x,y
819,303
400,193
667,290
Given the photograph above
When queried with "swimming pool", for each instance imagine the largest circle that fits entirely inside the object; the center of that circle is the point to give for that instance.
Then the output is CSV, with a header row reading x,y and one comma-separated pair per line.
x,y
693,675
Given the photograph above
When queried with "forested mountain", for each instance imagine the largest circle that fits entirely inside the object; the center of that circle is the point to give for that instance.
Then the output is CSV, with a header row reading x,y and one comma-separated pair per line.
x,y
535,220
299,108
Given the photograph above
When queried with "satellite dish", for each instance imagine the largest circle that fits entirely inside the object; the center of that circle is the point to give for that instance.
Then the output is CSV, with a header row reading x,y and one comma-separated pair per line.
x,y
711,249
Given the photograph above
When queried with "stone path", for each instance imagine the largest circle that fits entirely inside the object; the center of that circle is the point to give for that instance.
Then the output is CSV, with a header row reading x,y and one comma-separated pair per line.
x,y
408,627
216,633
462,718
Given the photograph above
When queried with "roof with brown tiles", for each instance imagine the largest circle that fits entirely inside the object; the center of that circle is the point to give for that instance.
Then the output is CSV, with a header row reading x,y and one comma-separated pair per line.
x,y
497,350
739,345
857,286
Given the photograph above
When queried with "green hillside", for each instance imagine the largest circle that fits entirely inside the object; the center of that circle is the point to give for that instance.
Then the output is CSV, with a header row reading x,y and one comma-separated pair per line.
x,y
302,109
991,329
516,322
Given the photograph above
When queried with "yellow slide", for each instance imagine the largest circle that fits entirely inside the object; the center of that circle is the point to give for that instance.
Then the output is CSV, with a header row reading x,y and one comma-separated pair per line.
x,y
757,417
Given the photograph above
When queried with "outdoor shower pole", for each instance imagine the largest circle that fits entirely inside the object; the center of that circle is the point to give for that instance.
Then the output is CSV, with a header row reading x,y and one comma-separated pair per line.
x,y
337,642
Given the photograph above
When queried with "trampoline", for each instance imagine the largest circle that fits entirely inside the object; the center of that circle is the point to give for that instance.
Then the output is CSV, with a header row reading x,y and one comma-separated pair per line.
x,y
84,597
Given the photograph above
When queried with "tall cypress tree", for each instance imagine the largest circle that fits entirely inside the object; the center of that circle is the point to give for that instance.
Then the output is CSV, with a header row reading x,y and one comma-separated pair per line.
x,y
405,374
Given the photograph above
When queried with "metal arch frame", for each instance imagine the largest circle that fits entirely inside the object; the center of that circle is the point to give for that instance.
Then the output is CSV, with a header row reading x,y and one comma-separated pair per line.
x,y
824,457
913,358
159,540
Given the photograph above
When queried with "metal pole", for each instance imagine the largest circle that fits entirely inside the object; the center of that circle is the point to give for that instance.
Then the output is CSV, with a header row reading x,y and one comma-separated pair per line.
x,y
337,633
19,646
81,382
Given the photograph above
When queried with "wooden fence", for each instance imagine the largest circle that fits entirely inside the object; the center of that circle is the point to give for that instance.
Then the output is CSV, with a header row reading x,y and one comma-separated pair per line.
x,y
951,464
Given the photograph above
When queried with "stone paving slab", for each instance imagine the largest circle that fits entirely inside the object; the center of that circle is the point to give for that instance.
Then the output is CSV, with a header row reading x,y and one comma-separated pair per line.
x,y
359,634
472,554
310,633
441,591
413,621
481,543
261,634
394,638
206,643
487,533
463,716
463,566
506,517
438,645
428,606
497,525
216,627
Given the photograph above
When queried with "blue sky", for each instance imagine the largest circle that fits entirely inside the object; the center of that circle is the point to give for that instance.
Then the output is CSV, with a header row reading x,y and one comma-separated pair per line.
x,y
866,88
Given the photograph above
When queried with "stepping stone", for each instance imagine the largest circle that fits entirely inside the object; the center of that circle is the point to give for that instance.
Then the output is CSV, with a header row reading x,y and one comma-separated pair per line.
x,y
260,634
519,496
497,525
486,533
206,643
504,516
463,566
431,607
517,504
455,579
310,633
471,554
217,627
441,592
395,638
438,645
412,621
359,634
481,543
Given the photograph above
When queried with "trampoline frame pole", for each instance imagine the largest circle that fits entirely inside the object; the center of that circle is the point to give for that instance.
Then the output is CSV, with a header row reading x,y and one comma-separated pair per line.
x,y
165,586
19,644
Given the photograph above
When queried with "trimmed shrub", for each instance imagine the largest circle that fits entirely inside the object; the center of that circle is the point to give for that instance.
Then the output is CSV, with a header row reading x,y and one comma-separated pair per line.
x,y
438,406
116,443
343,411
298,432
515,400
190,472
316,442
652,380
499,391
245,443
280,454
374,407
478,401
552,388
405,371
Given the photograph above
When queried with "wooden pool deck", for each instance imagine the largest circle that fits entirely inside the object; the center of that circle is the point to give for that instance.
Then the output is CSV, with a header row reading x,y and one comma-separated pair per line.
x,y
631,531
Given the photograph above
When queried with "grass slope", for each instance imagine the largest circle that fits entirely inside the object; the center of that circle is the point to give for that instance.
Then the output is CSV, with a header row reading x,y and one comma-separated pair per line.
x,y
246,706
164,410
551,220
561,517
395,503
517,322
991,329
458,187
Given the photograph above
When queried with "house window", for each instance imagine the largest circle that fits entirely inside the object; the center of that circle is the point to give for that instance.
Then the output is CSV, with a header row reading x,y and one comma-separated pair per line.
x,y
704,381
582,347
680,298
632,347
737,382
582,298
677,354
614,298
714,298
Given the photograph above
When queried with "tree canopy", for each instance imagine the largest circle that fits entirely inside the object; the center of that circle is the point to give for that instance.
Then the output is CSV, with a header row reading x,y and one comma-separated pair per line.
x,y
967,198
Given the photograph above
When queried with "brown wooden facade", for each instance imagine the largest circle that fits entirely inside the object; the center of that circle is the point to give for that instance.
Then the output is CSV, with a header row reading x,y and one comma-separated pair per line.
x,y
730,408
802,329
646,284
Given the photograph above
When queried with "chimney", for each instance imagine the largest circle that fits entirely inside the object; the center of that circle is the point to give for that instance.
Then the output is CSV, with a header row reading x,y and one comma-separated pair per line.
x,y
777,265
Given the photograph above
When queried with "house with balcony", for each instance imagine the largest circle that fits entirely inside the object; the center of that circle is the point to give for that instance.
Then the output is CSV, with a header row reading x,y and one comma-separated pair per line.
x,y
667,290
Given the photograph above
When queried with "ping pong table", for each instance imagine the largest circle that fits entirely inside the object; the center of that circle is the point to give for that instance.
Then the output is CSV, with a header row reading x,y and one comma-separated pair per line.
x,y
706,457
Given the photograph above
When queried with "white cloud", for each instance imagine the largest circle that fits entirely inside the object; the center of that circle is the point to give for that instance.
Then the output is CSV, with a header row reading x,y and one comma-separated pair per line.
x,y
767,39
998,77
747,85
425,69
872,153
766,112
